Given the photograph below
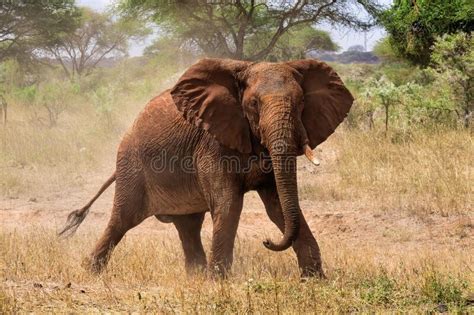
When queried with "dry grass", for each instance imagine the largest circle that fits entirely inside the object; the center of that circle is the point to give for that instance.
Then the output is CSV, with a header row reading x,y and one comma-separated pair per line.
x,y
35,157
146,274
426,172
421,173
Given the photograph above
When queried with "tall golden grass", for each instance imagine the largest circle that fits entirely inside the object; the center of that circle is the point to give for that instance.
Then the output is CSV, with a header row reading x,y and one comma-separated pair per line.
x,y
146,274
423,173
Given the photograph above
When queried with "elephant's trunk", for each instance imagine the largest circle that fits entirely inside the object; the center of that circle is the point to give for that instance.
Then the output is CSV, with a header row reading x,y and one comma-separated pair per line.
x,y
282,142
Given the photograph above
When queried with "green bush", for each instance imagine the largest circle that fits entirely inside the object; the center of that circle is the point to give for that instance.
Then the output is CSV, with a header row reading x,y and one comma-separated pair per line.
x,y
439,289
402,97
453,65
378,290
105,100
414,25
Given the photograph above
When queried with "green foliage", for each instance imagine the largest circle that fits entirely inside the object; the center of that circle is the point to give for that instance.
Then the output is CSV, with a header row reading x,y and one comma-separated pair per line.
x,y
169,48
384,50
414,24
11,75
443,289
243,29
399,72
402,106
104,99
30,25
378,290
406,97
383,91
453,63
294,44
55,96
97,36
26,95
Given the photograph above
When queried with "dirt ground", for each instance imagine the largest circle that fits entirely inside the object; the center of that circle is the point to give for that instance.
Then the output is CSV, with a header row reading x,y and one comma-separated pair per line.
x,y
351,223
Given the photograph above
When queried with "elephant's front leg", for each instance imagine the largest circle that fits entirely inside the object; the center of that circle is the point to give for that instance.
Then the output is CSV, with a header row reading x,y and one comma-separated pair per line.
x,y
305,246
227,206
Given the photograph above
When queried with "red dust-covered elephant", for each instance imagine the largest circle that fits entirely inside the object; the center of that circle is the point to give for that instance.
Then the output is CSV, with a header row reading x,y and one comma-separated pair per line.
x,y
225,128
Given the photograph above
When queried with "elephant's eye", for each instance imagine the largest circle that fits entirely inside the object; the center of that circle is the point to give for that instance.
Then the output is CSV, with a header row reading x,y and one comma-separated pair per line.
x,y
256,103
252,106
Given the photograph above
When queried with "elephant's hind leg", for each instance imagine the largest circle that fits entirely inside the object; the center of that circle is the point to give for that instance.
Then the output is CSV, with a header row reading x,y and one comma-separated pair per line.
x,y
128,212
189,230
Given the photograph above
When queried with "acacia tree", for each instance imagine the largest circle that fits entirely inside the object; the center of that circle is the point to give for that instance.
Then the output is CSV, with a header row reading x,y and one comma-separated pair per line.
x,y
225,28
413,25
97,36
28,25
294,44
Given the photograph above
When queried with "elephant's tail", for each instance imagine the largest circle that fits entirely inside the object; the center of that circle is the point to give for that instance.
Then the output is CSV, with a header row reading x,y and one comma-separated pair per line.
x,y
75,218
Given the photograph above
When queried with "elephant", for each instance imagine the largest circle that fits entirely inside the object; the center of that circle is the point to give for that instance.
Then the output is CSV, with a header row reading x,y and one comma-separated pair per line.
x,y
226,127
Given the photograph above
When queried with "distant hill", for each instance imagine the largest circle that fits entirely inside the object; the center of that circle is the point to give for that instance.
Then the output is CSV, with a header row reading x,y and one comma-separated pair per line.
x,y
347,57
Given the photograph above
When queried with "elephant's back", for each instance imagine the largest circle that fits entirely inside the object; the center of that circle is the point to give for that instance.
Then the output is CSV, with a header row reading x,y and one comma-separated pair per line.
x,y
161,127
165,145
159,113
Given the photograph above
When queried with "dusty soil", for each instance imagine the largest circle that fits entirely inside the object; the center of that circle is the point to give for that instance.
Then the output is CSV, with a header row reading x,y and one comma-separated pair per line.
x,y
352,222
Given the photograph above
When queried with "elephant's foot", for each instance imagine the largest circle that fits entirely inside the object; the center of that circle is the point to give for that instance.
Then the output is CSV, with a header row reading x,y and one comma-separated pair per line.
x,y
309,261
309,272
94,265
218,270
196,267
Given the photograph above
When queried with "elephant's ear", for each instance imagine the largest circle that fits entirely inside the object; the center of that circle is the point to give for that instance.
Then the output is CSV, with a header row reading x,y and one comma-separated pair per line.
x,y
326,100
208,95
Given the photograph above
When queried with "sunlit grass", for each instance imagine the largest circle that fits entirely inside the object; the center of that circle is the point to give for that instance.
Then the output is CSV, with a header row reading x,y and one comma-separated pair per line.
x,y
146,273
429,172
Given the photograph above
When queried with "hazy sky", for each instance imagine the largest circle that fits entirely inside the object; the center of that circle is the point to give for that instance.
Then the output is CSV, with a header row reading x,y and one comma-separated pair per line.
x,y
342,36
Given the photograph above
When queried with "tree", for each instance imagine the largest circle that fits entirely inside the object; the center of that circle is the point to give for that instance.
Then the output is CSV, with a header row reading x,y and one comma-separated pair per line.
x,y
384,50
28,25
97,36
227,28
453,61
294,44
413,25
55,98
385,92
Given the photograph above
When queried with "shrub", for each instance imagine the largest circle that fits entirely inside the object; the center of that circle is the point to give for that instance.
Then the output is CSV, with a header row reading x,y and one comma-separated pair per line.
x,y
443,289
453,64
378,290
413,25
55,97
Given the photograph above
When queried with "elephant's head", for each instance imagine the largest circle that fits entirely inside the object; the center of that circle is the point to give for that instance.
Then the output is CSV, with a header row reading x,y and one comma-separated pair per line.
x,y
288,108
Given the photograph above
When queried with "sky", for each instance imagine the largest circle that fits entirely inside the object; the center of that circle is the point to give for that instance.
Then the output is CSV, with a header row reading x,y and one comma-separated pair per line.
x,y
344,37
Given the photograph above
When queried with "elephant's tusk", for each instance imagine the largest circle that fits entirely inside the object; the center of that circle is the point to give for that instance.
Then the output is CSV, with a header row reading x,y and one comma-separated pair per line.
x,y
310,155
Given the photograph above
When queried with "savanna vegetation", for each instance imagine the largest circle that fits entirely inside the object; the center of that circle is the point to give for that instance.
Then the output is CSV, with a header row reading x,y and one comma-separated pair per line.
x,y
391,205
